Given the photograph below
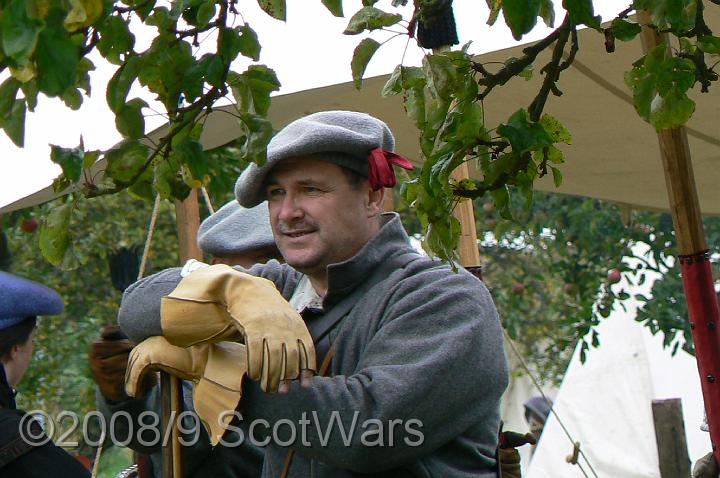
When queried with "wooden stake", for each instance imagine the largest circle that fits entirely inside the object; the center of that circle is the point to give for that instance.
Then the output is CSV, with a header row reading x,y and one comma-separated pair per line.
x,y
187,214
464,212
693,258
670,437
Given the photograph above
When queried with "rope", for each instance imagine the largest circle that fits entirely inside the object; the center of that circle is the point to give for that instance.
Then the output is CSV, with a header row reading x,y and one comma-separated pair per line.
x,y
151,231
141,273
206,197
98,454
536,383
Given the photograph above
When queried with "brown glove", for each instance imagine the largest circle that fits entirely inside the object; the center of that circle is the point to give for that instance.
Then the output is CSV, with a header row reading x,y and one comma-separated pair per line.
x,y
108,357
508,456
218,303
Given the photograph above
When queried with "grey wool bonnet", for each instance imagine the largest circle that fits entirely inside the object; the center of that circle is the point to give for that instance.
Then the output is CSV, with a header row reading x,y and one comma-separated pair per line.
x,y
235,230
344,138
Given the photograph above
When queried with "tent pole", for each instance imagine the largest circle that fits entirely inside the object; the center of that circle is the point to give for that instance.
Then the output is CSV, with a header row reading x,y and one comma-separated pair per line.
x,y
188,221
465,213
693,256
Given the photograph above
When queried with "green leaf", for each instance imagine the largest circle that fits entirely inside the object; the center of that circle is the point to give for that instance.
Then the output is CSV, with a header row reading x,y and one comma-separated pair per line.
x,y
678,14
274,8
439,72
672,111
709,44
557,176
168,182
370,18
547,12
126,161
624,30
495,7
190,153
260,133
70,160
205,13
54,234
523,134
248,44
120,83
57,57
116,39
558,133
72,98
415,106
8,93
393,85
130,121
521,15
83,13
252,88
14,125
361,57
19,31
582,12
30,90
334,6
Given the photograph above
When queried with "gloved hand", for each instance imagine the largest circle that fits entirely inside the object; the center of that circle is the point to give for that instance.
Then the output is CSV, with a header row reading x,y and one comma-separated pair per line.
x,y
217,370
508,456
218,303
155,353
108,357
705,467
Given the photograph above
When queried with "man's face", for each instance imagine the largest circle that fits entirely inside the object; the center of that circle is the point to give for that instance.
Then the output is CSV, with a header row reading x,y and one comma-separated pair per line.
x,y
318,217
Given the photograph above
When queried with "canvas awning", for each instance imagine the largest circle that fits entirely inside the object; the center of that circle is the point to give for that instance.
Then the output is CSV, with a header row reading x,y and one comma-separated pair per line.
x,y
614,155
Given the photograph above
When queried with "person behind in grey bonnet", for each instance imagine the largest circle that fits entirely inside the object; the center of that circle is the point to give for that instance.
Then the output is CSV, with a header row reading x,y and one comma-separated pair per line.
x,y
413,350
232,235
25,450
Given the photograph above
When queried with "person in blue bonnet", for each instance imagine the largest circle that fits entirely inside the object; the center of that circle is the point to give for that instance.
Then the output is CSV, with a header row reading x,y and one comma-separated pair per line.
x,y
25,451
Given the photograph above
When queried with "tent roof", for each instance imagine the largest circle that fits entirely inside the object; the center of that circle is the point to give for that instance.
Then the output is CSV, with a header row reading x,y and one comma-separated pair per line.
x,y
614,156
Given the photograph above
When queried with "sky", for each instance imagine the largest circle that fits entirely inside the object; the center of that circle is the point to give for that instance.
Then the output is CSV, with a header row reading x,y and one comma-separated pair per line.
x,y
307,51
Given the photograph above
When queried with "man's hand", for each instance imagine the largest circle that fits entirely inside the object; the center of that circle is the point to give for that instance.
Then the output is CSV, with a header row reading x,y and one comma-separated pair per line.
x,y
108,358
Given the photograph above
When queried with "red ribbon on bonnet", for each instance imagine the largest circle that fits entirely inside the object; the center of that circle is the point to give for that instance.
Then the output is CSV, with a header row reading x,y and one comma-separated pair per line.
x,y
380,171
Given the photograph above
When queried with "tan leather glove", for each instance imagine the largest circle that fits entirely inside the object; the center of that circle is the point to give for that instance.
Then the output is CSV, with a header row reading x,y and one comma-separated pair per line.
x,y
218,303
217,370
108,358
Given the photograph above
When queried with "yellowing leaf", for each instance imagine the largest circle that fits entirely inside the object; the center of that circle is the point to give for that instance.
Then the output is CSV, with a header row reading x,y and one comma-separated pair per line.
x,y
82,13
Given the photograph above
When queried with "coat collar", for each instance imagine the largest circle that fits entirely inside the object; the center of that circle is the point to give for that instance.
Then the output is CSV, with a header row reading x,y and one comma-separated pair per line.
x,y
344,277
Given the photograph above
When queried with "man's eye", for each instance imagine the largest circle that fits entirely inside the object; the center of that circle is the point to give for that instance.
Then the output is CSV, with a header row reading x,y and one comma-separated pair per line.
x,y
275,192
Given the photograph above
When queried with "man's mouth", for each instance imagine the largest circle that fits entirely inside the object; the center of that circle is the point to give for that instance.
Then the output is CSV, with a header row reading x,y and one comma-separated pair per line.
x,y
296,234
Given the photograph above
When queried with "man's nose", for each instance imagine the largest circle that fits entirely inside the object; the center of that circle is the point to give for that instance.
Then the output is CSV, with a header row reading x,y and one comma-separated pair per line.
x,y
289,208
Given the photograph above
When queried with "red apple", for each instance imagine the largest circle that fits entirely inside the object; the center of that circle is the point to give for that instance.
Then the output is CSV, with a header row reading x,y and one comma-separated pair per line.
x,y
29,225
490,222
488,206
518,288
614,276
569,288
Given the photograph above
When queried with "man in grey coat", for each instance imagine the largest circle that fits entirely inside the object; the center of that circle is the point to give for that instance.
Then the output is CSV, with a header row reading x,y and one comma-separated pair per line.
x,y
416,362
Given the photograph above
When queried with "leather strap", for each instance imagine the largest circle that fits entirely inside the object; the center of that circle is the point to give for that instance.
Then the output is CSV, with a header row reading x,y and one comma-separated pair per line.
x,y
19,445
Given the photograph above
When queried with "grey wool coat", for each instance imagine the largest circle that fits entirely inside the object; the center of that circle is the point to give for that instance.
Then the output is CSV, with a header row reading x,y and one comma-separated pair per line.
x,y
415,383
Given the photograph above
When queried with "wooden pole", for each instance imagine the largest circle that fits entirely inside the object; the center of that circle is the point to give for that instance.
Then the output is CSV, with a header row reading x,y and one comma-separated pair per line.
x,y
694,261
187,214
670,437
464,212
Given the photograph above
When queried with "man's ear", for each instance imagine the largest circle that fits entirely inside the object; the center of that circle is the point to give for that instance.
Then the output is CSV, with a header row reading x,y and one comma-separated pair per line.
x,y
12,353
375,201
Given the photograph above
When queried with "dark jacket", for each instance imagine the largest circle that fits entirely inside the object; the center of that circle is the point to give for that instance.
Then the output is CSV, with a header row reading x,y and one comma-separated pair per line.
x,y
22,459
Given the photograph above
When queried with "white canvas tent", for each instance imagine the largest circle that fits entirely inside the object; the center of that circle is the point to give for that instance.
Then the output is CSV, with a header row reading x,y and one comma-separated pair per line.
x,y
606,405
